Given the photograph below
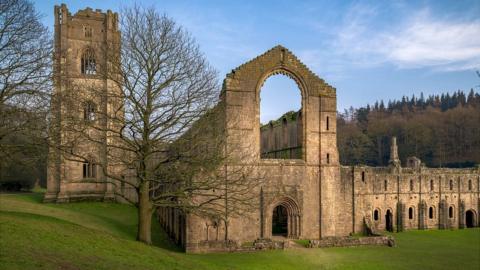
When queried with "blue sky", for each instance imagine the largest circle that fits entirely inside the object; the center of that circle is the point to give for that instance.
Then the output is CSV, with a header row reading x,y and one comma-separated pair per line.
x,y
368,50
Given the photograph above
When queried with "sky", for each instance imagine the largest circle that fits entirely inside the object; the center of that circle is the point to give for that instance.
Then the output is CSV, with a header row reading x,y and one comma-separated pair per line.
x,y
367,50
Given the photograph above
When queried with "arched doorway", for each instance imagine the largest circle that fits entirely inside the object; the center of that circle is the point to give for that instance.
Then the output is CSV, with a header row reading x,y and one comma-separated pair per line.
x,y
280,221
389,221
470,219
285,219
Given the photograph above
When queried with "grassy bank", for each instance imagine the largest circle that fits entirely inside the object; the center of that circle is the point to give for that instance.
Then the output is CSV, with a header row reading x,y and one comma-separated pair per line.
x,y
34,235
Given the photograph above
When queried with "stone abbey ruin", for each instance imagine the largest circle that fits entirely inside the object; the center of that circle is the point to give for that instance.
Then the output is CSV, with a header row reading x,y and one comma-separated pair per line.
x,y
307,193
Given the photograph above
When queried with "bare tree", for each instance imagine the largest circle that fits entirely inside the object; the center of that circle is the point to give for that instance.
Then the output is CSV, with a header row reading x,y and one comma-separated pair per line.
x,y
207,175
25,65
163,128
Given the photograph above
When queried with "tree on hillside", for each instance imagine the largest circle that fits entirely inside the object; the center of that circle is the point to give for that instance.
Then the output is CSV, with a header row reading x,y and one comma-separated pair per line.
x,y
165,136
25,65
442,130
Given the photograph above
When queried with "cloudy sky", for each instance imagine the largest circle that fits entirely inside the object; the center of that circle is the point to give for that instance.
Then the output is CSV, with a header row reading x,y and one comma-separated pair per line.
x,y
367,50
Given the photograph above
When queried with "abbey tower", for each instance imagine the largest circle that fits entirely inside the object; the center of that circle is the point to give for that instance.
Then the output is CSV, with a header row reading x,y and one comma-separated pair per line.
x,y
83,95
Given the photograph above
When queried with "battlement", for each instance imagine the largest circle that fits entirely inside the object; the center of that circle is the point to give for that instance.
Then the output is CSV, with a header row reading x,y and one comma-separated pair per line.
x,y
63,16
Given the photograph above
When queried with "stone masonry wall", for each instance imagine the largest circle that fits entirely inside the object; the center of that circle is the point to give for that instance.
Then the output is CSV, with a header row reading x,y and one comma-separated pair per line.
x,y
409,194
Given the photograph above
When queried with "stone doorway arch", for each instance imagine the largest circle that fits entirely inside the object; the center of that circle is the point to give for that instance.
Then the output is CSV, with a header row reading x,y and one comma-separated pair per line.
x,y
285,219
470,219
389,221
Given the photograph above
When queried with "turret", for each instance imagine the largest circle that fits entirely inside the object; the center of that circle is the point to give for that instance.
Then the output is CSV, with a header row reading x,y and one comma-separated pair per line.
x,y
394,160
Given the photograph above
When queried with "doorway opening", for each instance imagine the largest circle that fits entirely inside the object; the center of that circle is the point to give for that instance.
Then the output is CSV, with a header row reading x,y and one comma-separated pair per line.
x,y
280,221
389,221
470,220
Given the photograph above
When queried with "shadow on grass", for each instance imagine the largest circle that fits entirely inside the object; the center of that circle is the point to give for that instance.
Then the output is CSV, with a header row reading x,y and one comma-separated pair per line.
x,y
119,219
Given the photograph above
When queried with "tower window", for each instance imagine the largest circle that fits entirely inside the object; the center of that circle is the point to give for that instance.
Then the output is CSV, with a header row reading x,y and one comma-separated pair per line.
x,y
87,31
451,184
469,184
363,176
431,185
328,123
89,170
411,185
385,184
328,158
88,64
410,213
89,111
60,16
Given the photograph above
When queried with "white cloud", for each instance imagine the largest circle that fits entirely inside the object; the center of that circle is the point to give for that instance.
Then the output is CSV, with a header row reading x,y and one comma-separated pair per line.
x,y
441,44
418,41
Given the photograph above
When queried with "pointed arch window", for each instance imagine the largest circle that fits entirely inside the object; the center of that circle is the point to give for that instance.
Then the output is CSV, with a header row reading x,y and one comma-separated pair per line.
x,y
87,31
88,63
280,117
89,110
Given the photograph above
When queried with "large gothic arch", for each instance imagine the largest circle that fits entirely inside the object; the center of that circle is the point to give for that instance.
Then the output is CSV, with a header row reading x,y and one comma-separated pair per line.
x,y
241,92
302,87
317,173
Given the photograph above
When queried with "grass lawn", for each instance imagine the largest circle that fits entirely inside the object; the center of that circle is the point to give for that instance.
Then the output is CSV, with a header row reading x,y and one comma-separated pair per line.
x,y
34,235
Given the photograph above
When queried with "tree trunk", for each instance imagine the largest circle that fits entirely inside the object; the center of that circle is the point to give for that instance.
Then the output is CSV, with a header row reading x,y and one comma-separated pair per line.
x,y
144,233
226,230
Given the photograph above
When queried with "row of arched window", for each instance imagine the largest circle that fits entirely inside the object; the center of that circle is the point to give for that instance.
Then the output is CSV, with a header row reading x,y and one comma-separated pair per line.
x,y
432,185
451,183
411,213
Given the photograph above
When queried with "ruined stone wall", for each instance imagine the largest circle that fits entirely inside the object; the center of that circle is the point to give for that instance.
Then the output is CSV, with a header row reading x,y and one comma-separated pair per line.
x,y
322,199
419,189
307,187
282,138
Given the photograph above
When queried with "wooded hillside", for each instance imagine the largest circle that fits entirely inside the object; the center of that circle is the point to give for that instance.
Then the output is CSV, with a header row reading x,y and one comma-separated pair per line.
x,y
441,130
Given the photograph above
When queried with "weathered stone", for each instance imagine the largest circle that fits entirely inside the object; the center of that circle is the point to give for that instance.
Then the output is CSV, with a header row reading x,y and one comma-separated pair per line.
x,y
324,201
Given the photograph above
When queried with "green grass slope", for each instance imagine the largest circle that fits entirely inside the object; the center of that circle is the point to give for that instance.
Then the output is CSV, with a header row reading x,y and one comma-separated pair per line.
x,y
34,235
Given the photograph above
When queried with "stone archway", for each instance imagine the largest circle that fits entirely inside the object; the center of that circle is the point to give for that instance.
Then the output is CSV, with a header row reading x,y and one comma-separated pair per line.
x,y
285,219
470,219
389,221
275,142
